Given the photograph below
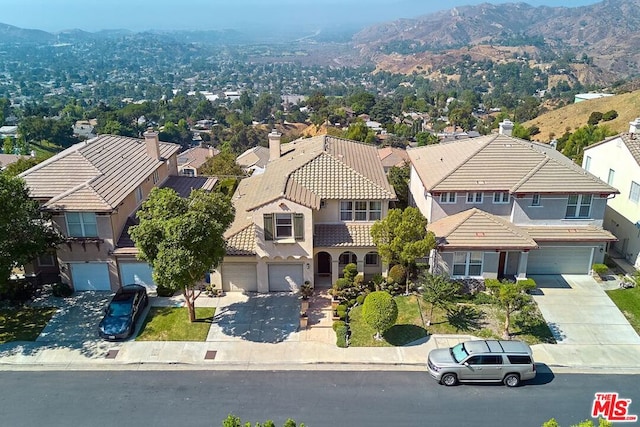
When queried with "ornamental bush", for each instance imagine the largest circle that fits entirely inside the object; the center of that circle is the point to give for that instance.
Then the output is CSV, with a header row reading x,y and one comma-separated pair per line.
x,y
380,311
599,268
341,336
397,274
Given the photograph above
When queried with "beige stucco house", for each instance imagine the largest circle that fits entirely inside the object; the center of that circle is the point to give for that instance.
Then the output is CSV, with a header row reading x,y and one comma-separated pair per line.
x,y
92,190
306,216
505,207
617,160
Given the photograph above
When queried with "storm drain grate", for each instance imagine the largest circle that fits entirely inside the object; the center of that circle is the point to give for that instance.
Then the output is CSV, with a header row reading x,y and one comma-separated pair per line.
x,y
111,354
210,355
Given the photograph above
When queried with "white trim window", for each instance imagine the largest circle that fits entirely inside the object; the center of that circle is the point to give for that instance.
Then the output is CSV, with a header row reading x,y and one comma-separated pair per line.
x,y
634,192
360,210
371,259
587,163
474,197
579,206
347,258
156,176
284,225
611,177
501,197
467,264
81,224
47,260
449,197
139,194
535,200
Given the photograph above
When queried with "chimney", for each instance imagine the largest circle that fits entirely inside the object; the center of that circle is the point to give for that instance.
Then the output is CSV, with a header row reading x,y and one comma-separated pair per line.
x,y
153,144
274,145
506,127
212,152
634,126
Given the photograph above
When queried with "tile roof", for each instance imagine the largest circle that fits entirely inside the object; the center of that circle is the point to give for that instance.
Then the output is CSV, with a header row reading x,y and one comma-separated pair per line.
x,y
342,235
7,159
95,175
312,169
475,228
243,242
196,156
501,163
392,156
256,156
570,234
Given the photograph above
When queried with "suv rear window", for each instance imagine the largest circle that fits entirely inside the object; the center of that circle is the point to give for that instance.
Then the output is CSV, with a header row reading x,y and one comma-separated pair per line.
x,y
519,360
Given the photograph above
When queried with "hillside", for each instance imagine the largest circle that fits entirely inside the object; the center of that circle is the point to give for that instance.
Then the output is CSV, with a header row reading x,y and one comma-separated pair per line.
x,y
607,34
569,118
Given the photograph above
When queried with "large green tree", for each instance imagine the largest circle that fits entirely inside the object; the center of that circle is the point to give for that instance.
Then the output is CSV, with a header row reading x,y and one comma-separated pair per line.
x,y
402,236
511,297
399,179
25,231
182,238
438,291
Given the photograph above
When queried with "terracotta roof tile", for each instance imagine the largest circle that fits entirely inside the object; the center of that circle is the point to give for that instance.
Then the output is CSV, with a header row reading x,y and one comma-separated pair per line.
x,y
242,242
570,234
342,235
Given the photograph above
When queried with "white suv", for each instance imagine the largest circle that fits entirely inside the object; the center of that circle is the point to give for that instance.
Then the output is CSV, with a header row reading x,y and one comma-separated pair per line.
x,y
509,362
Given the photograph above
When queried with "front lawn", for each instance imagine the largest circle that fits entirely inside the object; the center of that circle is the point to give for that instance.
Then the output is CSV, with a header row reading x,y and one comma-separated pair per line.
x,y
23,324
468,317
172,324
628,301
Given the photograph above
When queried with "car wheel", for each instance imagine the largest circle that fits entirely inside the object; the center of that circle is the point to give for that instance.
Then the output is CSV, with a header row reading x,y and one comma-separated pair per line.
x,y
449,380
512,380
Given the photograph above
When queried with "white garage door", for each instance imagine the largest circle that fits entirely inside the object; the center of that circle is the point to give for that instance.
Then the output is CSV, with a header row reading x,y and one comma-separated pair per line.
x,y
285,277
561,260
239,277
90,276
138,273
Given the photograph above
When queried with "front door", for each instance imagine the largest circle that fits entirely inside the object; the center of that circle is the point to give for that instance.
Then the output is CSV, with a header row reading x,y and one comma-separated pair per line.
x,y
324,264
501,262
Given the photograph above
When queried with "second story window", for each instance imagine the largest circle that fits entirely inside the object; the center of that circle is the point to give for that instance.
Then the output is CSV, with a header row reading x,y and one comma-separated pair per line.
x,y
360,210
474,197
138,194
579,206
283,226
587,163
448,197
501,197
156,176
634,193
81,224
535,200
610,178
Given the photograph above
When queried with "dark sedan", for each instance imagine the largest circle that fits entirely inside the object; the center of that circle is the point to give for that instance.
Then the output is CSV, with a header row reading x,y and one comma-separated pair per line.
x,y
123,312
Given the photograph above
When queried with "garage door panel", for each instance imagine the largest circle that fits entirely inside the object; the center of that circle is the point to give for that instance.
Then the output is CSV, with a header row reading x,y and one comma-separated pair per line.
x,y
139,273
559,260
285,277
239,277
90,276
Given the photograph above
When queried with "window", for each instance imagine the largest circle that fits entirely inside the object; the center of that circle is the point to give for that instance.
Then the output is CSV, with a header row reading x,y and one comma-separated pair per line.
x,y
474,197
283,226
501,197
535,200
467,263
346,211
634,193
587,163
448,198
360,210
348,258
491,359
579,206
156,175
519,360
185,172
46,260
371,258
81,224
611,176
138,194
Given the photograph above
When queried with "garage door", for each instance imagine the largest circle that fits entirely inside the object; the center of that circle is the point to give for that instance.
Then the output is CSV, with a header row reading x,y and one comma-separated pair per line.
x,y
285,277
90,276
562,260
136,272
239,277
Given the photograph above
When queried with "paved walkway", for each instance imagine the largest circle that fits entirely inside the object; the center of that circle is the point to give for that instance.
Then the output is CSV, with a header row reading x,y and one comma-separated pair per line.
x,y
256,333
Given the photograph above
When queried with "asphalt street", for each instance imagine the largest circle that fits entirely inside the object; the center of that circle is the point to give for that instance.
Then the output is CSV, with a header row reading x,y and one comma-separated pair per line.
x,y
317,398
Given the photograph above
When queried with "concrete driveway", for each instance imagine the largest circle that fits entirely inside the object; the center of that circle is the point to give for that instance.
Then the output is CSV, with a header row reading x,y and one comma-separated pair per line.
x,y
579,312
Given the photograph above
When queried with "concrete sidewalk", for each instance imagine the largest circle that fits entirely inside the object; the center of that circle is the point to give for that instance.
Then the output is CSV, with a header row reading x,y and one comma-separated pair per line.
x,y
235,345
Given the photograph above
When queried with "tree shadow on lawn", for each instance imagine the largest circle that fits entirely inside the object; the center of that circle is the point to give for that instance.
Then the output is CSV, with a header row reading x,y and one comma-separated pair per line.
x,y
465,318
402,335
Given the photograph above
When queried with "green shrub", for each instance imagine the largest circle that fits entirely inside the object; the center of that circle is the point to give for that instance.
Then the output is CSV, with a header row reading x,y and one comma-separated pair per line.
x,y
609,115
595,118
341,311
599,268
61,290
17,291
360,299
527,283
380,311
358,281
341,284
377,281
397,274
164,292
483,298
350,272
341,336
338,323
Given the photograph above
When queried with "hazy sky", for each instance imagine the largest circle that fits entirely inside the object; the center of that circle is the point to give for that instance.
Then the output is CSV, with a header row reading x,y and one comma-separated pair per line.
x,y
94,15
